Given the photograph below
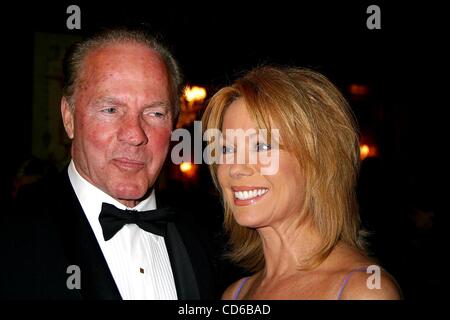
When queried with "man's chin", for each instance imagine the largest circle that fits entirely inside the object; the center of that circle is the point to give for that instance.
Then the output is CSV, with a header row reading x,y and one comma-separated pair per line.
x,y
128,201
130,190
130,196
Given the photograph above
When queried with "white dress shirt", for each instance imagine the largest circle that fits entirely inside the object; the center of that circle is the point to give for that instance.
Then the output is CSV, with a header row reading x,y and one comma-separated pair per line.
x,y
138,259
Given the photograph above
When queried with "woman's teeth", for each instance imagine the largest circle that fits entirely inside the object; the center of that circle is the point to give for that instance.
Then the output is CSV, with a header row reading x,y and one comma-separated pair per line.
x,y
250,194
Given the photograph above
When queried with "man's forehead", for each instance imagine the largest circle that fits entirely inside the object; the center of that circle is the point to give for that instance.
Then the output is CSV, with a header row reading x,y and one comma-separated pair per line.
x,y
134,61
123,53
120,47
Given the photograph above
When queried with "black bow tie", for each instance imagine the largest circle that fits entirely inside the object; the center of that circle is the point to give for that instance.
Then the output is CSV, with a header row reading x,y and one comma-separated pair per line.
x,y
112,219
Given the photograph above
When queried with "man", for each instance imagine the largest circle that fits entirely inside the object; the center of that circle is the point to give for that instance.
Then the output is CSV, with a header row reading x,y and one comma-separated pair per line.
x,y
119,105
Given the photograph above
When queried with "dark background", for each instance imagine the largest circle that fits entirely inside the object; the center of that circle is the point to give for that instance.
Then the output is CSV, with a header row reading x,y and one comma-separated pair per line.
x,y
402,190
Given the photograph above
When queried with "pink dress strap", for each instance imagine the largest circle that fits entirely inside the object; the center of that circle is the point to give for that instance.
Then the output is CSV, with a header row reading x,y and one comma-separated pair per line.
x,y
243,281
347,278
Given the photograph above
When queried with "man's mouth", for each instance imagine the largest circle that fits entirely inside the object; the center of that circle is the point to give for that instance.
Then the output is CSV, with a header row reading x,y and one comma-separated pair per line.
x,y
129,164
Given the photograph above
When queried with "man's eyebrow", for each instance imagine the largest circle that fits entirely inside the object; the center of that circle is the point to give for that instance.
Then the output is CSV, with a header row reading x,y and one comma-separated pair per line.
x,y
118,101
156,104
111,100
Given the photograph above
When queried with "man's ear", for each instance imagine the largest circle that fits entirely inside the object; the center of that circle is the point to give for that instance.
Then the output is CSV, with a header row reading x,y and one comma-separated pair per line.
x,y
67,117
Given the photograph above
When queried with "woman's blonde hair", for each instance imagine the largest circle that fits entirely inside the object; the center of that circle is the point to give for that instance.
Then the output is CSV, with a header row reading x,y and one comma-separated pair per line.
x,y
316,125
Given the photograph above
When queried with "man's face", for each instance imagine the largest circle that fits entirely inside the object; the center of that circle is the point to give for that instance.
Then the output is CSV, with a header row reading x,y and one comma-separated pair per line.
x,y
122,120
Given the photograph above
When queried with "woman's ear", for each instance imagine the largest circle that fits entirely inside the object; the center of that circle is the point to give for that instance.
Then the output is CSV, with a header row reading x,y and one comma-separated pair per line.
x,y
67,117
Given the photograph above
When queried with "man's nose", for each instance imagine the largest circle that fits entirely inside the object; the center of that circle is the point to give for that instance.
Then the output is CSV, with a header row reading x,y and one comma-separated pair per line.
x,y
132,131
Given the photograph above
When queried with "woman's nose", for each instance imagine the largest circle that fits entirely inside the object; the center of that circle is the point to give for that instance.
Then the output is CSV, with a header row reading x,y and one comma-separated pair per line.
x,y
239,170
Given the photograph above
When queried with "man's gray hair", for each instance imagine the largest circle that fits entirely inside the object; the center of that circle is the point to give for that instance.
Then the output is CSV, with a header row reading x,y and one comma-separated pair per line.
x,y
74,58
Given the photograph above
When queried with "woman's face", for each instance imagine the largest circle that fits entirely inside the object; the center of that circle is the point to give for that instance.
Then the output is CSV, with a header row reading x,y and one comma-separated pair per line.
x,y
258,200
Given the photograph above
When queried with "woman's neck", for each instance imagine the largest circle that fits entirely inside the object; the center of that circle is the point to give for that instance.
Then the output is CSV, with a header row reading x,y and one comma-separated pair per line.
x,y
286,247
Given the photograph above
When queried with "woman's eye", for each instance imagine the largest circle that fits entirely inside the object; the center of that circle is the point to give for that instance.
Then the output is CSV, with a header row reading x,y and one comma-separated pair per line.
x,y
227,150
262,147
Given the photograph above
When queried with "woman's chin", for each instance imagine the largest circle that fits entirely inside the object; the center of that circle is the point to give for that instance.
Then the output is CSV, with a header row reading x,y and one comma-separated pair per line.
x,y
247,220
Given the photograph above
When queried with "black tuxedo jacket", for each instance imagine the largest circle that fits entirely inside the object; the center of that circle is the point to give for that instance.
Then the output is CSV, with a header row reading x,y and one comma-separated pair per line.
x,y
48,232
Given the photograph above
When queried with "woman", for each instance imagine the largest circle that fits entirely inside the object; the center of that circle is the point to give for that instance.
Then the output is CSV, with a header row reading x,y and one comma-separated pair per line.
x,y
296,229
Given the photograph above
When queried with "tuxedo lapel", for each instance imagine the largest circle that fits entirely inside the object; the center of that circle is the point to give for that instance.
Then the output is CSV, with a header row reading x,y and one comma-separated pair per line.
x,y
183,271
81,246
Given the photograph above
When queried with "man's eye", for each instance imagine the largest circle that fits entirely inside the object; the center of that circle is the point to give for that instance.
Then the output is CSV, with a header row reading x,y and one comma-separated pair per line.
x,y
155,114
158,114
262,147
109,110
227,150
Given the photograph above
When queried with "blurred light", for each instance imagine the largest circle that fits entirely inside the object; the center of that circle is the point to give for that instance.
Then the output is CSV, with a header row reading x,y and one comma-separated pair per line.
x,y
364,151
358,89
194,93
185,167
367,151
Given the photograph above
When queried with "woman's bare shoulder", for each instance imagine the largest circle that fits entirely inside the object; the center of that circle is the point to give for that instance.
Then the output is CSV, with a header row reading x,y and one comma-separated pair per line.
x,y
229,292
362,278
373,284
